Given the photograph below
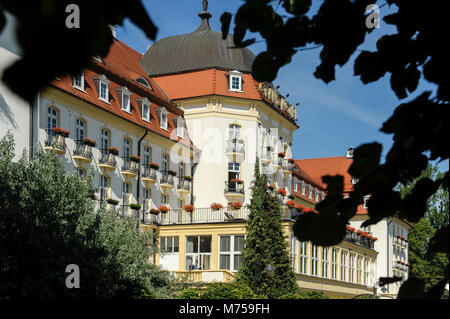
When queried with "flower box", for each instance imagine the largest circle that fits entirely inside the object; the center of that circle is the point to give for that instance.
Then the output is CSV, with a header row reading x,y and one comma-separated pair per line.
x,y
154,211
135,159
235,205
300,207
282,191
237,180
61,131
113,150
135,206
216,206
89,142
281,154
173,173
189,208
153,165
163,209
351,229
290,203
187,178
112,201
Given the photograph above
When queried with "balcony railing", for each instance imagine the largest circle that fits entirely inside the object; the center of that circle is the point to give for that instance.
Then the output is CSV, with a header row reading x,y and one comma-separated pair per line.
x,y
107,158
166,178
234,187
130,166
357,239
55,140
83,150
235,146
148,172
184,184
285,164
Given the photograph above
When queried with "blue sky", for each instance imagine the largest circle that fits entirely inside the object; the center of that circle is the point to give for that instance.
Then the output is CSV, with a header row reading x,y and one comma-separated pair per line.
x,y
331,117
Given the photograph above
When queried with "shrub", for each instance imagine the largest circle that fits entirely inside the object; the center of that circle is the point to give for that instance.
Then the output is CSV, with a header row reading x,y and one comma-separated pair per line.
x,y
228,290
189,293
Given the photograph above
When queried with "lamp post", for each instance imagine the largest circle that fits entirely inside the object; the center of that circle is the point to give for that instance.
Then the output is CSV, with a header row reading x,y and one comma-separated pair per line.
x,y
269,268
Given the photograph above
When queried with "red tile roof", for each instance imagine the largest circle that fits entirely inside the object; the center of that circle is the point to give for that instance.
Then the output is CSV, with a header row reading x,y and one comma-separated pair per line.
x,y
121,66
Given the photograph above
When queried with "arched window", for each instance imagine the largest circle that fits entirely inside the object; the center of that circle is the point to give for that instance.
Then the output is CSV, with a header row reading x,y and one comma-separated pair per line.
x,y
165,163
104,184
234,131
52,118
106,139
181,170
80,131
147,155
126,148
143,82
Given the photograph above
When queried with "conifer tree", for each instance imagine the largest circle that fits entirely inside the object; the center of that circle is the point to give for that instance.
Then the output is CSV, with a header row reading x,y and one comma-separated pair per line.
x,y
266,244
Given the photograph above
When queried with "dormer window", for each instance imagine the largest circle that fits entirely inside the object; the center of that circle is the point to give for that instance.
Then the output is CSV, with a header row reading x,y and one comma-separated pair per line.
x,y
235,81
78,81
180,127
102,85
124,96
144,104
143,82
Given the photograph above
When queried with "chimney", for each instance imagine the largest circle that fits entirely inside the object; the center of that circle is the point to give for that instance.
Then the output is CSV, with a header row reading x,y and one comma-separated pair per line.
x,y
350,153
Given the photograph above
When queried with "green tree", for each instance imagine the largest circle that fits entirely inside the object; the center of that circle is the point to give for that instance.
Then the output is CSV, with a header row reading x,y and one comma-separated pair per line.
x,y
428,266
47,221
266,244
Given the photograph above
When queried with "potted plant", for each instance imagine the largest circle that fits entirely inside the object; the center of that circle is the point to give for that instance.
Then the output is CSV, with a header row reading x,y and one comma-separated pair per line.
x,y
135,206
135,159
188,208
112,201
171,172
282,191
154,211
237,181
290,203
153,165
113,150
163,209
235,205
216,206
188,178
89,142
61,131
282,154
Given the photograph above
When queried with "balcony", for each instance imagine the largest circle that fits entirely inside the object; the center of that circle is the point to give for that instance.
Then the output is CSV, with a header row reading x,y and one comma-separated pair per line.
x,y
129,167
358,240
166,181
202,276
286,166
277,162
55,141
266,157
107,160
183,187
82,152
149,175
234,191
235,150
400,265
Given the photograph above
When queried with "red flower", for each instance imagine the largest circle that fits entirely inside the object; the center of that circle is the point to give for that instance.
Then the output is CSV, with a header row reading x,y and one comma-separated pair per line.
x,y
309,210
235,205
61,131
90,142
282,191
236,180
216,206
350,228
290,203
163,209
189,208
113,150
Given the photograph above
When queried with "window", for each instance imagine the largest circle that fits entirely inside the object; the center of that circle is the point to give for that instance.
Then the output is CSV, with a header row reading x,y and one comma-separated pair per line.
x,y
293,252
366,271
169,244
147,155
78,81
233,173
80,131
314,261
165,163
310,191
180,127
334,263
164,199
146,112
81,173
198,252
124,96
343,265
181,170
104,182
163,122
352,265
125,193
358,269
146,199
303,257
143,82
126,148
52,118
230,252
317,196
235,81
104,91
325,262
234,131
295,185
303,188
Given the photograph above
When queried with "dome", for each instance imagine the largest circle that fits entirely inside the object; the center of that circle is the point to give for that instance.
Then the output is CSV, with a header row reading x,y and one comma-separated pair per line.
x,y
199,50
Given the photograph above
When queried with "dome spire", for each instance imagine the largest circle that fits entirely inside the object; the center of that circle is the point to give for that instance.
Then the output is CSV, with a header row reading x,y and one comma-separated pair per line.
x,y
205,16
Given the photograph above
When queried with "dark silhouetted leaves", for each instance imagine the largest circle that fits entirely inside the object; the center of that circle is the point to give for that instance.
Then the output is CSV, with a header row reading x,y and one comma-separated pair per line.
x,y
415,203
365,158
436,291
411,289
388,280
297,7
225,19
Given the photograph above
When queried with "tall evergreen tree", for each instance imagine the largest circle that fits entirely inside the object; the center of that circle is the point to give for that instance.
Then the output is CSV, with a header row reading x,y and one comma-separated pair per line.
x,y
266,244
